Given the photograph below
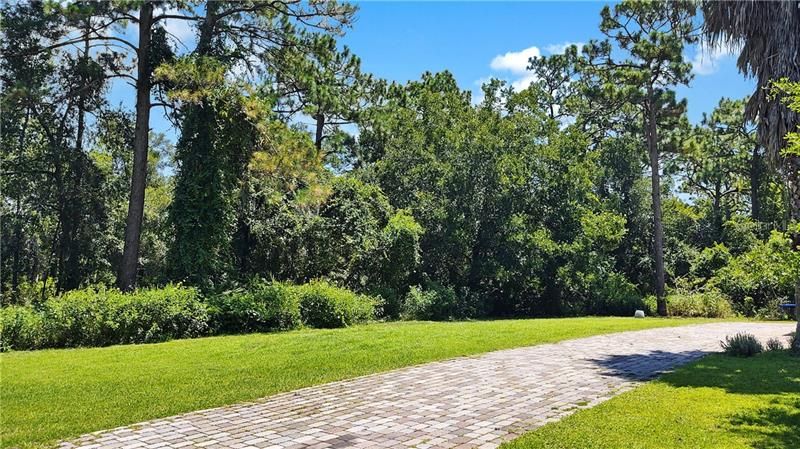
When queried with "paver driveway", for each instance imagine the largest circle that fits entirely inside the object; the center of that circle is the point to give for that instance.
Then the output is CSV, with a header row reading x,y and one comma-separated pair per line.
x,y
465,402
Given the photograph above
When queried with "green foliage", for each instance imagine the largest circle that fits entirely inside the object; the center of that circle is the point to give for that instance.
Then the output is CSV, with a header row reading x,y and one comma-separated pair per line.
x,y
758,280
221,128
98,316
262,306
258,307
774,344
742,345
326,306
706,304
20,328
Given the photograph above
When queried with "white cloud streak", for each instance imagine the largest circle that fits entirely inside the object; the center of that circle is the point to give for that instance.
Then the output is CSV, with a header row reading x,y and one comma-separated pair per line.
x,y
706,59
515,61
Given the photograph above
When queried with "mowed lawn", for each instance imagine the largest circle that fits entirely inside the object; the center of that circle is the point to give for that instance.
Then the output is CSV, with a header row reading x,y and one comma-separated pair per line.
x,y
54,394
720,402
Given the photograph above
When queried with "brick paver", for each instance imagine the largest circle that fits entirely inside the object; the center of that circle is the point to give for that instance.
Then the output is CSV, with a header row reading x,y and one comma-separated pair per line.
x,y
466,402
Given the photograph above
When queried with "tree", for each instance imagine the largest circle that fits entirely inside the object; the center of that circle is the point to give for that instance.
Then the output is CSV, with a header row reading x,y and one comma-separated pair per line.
x,y
323,83
715,163
223,122
653,35
54,186
770,50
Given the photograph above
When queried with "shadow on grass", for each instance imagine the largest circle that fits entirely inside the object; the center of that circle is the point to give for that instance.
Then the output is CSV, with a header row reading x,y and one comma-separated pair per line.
x,y
775,375
640,367
772,427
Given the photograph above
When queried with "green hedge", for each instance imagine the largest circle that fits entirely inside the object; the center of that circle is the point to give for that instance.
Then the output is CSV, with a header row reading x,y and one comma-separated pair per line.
x,y
324,305
708,304
99,316
260,307
264,306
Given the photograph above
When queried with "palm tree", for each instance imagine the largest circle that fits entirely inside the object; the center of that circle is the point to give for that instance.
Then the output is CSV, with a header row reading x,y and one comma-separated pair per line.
x,y
768,34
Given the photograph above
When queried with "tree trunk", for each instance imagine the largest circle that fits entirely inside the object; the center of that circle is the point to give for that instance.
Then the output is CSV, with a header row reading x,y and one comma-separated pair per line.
x,y
655,180
69,264
320,128
793,190
133,223
755,185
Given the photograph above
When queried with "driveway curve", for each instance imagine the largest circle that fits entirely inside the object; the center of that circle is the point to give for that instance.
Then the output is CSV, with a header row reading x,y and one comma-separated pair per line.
x,y
466,402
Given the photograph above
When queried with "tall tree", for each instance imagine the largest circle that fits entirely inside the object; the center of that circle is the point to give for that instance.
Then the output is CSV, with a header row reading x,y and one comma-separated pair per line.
x,y
214,147
770,50
652,36
715,165
45,140
322,82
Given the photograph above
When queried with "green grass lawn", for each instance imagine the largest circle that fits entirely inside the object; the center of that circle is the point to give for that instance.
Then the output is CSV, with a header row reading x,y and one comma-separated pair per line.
x,y
719,402
54,394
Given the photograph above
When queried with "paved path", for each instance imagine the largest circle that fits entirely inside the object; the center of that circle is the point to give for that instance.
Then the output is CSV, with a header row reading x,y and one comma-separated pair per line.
x,y
466,402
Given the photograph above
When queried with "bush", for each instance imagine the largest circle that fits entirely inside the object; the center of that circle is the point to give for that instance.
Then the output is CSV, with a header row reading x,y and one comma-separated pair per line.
x,y
706,304
793,344
326,306
437,302
260,307
97,316
20,328
774,344
757,280
742,345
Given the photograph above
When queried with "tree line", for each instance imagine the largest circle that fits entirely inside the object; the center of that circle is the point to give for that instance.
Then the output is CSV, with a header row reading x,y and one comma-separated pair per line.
x,y
580,193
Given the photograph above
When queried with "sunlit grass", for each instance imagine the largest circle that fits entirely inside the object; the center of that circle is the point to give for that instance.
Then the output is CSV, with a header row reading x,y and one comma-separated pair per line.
x,y
55,394
720,402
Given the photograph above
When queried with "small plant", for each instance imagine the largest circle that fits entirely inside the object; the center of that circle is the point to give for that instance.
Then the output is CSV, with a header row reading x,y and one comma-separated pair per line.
x,y
793,344
774,344
742,345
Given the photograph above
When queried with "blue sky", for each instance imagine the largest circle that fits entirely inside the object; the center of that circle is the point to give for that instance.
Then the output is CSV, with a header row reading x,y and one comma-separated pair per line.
x,y
478,40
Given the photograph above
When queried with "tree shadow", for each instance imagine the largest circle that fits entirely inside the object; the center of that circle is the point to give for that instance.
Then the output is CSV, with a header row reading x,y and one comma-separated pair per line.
x,y
647,366
772,427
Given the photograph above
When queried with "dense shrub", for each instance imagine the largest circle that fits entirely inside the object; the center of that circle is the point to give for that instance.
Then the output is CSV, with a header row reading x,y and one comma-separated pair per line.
x,y
774,344
100,317
324,305
438,302
742,345
618,296
759,279
20,328
707,304
261,306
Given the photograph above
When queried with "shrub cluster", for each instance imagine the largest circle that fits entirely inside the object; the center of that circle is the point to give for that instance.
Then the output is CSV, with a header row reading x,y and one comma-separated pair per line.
x,y
742,345
705,304
264,306
760,279
324,305
99,316
436,302
261,306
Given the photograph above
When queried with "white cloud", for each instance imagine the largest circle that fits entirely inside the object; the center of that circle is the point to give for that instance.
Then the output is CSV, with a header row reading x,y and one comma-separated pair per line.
x,y
523,82
706,59
557,49
515,61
